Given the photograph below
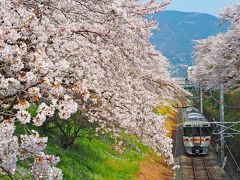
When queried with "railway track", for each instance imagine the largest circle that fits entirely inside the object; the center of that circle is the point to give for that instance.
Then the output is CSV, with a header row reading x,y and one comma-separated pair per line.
x,y
199,168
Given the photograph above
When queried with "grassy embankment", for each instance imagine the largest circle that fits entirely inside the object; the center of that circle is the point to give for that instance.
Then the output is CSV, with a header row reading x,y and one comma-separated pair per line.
x,y
93,157
154,167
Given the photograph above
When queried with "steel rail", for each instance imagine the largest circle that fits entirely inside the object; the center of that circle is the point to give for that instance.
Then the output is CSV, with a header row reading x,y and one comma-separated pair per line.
x,y
206,168
195,170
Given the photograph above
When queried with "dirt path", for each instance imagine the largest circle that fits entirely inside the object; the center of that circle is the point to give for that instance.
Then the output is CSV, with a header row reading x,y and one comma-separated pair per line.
x,y
155,168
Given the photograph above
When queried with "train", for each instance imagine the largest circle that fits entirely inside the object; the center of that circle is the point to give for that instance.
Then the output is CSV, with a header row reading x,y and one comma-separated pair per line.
x,y
196,132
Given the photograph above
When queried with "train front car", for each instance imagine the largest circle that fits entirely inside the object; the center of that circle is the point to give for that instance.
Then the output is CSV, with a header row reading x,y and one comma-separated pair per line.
x,y
196,134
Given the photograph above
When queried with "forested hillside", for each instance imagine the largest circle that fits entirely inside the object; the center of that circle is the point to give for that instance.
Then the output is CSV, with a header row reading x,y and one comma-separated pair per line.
x,y
176,33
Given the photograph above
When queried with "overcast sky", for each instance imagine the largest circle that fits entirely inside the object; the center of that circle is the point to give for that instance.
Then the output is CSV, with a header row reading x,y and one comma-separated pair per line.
x,y
204,6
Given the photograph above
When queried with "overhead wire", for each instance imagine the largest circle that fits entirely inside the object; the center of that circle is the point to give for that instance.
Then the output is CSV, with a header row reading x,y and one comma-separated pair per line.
x,y
217,101
225,105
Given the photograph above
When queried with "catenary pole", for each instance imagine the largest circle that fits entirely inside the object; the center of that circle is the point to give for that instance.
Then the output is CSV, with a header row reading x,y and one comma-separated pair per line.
x,y
201,98
222,121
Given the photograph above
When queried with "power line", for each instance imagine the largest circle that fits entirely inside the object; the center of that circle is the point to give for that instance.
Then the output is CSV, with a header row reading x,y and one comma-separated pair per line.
x,y
216,100
229,106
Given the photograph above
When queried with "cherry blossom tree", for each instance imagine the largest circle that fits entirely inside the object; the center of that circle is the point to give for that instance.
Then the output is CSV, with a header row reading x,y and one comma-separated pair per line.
x,y
91,56
217,58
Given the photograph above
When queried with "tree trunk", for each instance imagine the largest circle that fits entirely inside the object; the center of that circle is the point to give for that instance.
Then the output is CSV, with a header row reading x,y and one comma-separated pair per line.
x,y
67,141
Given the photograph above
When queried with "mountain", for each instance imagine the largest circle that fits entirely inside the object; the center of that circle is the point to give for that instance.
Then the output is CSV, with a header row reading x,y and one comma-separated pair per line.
x,y
176,32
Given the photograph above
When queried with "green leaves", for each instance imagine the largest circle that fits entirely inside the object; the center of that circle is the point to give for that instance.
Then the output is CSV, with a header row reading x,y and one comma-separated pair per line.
x,y
32,109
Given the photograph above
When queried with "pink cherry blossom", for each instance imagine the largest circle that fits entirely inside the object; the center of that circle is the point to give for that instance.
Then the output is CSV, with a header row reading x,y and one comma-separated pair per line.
x,y
92,56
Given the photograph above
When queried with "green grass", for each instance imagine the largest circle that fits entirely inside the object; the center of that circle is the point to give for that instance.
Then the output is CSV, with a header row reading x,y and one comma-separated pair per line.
x,y
95,158
163,109
91,157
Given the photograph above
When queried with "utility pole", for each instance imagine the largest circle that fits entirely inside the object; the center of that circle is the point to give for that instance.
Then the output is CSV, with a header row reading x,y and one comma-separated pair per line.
x,y
201,98
222,121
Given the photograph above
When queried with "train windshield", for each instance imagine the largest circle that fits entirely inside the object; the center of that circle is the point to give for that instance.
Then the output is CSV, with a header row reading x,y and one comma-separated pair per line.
x,y
197,131
205,131
187,131
191,131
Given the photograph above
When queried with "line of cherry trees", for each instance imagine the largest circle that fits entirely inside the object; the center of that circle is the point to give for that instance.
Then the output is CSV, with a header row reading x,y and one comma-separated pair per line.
x,y
77,55
218,57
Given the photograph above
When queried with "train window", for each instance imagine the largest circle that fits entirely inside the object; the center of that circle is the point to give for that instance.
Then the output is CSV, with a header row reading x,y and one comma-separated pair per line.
x,y
205,131
187,131
196,131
